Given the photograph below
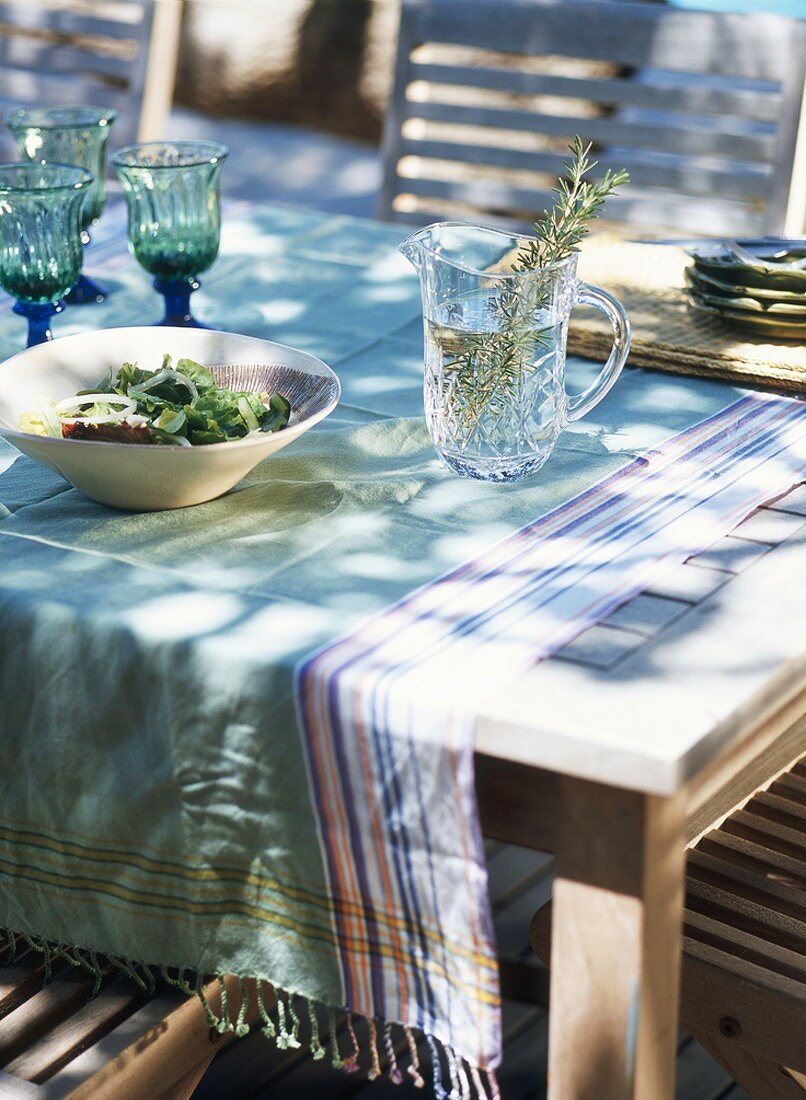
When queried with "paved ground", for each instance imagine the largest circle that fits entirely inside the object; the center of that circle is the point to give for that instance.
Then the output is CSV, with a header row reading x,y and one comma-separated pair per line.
x,y
274,163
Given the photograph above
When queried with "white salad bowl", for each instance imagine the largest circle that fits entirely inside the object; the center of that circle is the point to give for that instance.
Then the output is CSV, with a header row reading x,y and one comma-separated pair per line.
x,y
144,477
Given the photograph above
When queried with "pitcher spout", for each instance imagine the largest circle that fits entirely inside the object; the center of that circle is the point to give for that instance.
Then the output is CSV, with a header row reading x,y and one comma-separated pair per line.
x,y
473,249
414,245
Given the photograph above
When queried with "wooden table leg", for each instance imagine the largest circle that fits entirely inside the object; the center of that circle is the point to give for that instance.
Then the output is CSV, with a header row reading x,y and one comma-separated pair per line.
x,y
616,944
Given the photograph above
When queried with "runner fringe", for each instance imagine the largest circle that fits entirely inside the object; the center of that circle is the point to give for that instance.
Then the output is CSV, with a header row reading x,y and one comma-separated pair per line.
x,y
377,1048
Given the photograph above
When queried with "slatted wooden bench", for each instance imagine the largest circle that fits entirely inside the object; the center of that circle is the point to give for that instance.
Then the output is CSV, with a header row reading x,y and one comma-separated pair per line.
x,y
57,1042
744,964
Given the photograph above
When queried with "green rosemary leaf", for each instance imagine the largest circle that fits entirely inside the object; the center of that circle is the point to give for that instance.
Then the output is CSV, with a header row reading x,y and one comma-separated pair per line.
x,y
486,371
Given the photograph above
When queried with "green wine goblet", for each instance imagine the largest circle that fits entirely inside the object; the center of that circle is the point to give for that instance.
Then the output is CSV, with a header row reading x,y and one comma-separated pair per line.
x,y
70,135
173,196
40,238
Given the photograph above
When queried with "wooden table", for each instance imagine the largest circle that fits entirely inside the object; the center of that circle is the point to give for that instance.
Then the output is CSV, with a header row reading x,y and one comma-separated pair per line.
x,y
622,749
619,749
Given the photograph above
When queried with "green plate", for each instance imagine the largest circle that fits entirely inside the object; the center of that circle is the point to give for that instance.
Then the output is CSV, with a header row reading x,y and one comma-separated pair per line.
x,y
710,284
769,254
760,323
785,311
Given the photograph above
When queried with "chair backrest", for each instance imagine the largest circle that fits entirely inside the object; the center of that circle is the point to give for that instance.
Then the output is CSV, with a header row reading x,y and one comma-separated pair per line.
x,y
703,109
109,53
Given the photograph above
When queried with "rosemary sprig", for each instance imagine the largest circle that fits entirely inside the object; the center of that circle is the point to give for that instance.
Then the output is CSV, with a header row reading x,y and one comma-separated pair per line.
x,y
486,371
578,203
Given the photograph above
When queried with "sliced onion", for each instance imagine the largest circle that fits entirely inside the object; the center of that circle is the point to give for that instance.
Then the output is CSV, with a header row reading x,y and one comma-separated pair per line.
x,y
246,411
91,399
51,420
126,406
164,376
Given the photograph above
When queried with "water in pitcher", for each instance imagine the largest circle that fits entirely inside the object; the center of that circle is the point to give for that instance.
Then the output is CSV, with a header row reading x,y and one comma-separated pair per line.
x,y
495,339
493,403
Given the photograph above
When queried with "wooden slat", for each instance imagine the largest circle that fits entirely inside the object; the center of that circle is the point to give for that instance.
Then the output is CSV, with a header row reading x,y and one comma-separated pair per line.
x,y
785,892
601,30
46,1056
761,950
39,1013
70,20
756,916
150,1052
684,174
20,980
732,143
35,88
763,753
412,211
747,854
664,95
766,832
783,810
791,787
66,61
133,1032
653,209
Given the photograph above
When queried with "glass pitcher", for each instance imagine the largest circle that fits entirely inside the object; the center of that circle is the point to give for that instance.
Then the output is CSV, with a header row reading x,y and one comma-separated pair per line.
x,y
495,339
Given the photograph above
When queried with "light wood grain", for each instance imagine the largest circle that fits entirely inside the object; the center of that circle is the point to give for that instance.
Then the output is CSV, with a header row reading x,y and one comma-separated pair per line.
x,y
737,774
763,1079
718,985
162,1051
617,911
43,1058
160,71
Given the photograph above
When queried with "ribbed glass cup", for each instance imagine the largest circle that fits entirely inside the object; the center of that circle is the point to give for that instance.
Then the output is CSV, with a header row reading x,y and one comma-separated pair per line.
x,y
70,135
173,195
40,238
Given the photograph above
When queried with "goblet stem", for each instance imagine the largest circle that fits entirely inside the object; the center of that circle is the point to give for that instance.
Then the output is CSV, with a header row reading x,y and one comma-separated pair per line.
x,y
177,302
38,315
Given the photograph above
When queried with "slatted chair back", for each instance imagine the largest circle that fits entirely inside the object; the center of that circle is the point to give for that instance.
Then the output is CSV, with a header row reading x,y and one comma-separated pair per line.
x,y
704,110
108,53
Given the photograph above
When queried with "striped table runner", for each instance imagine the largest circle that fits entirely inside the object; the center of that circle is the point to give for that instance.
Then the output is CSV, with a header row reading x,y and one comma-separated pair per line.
x,y
387,714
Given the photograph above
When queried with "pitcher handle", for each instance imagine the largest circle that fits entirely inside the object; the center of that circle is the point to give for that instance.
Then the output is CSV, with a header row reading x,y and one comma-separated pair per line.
x,y
581,403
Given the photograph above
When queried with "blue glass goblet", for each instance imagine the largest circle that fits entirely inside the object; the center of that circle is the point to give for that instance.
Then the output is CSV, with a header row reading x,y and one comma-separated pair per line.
x,y
40,238
70,135
173,195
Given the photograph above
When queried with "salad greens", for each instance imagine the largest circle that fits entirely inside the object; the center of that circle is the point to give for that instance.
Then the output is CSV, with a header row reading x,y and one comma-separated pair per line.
x,y
180,406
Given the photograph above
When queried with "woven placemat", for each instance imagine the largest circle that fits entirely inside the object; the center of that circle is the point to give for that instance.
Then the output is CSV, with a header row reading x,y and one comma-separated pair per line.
x,y
667,333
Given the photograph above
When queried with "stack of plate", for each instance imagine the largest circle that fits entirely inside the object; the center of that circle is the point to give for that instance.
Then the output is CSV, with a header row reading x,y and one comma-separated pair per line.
x,y
759,284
